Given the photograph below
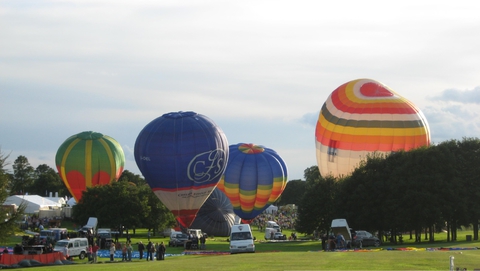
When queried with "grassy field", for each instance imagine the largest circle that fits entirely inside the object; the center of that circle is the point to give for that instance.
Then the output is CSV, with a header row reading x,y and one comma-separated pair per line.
x,y
300,255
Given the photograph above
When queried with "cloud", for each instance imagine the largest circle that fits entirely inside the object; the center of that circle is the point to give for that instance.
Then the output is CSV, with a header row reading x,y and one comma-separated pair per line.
x,y
454,95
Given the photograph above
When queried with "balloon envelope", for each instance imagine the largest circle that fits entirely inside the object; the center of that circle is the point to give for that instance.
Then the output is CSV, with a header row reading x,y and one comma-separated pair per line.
x,y
182,156
88,159
216,215
361,117
254,179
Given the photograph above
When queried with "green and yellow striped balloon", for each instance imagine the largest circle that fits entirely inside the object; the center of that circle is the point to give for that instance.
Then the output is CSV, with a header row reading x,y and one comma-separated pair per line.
x,y
88,159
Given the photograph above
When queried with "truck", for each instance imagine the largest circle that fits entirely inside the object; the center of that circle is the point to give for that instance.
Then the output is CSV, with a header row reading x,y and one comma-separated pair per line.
x,y
105,237
270,233
340,226
90,227
195,232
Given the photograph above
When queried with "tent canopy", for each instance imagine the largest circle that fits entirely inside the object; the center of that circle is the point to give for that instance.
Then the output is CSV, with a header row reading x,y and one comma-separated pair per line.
x,y
34,202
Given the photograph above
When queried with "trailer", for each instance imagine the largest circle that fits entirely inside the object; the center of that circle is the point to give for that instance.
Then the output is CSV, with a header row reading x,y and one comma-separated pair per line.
x,y
340,226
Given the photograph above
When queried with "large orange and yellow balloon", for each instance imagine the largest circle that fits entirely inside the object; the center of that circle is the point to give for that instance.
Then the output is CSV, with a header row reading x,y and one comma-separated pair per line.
x,y
255,178
88,159
361,117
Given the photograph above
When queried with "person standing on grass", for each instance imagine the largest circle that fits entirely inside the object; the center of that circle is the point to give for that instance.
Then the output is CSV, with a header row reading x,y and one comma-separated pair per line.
x,y
89,253
149,251
95,249
141,248
129,252
112,251
124,253
157,254
161,251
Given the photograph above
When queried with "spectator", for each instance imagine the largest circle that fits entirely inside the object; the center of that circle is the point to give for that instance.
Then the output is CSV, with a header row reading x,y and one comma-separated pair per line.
x,y
161,251
141,248
112,251
95,249
129,252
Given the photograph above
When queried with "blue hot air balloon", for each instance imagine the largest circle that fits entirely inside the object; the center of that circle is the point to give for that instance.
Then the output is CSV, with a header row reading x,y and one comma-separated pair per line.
x,y
182,156
254,179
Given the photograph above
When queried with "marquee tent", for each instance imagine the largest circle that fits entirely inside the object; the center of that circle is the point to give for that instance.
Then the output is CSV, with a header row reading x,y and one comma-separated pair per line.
x,y
34,203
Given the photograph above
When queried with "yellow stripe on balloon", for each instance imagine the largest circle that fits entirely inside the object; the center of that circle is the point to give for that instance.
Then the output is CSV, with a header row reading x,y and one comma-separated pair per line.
x,y
332,127
63,174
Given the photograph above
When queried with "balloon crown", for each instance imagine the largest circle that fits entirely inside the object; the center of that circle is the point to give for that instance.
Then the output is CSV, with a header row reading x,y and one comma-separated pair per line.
x,y
250,148
87,135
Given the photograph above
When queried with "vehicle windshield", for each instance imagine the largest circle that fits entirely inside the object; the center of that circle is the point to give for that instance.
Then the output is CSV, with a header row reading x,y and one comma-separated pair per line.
x,y
61,244
241,236
105,235
182,236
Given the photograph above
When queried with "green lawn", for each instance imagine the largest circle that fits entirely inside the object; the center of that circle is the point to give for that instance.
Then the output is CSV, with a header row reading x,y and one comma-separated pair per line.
x,y
300,255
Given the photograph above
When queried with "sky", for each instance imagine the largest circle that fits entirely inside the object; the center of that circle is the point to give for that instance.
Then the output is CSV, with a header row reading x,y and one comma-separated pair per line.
x,y
261,70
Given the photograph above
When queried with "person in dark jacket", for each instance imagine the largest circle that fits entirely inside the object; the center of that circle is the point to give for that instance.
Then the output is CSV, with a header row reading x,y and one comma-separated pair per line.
x,y
161,251
141,248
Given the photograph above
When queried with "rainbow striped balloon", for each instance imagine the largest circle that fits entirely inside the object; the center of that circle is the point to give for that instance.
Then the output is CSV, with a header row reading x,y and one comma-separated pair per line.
x,y
255,178
88,159
361,117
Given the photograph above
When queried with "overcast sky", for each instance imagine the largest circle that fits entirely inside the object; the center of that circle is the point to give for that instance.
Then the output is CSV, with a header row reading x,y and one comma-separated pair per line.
x,y
260,69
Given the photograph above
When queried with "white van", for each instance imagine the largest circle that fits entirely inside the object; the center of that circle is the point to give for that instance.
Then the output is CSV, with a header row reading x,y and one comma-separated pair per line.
x,y
198,233
76,247
270,233
273,224
241,239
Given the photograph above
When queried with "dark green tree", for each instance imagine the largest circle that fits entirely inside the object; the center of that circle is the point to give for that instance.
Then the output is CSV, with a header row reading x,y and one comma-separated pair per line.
x,y
293,193
47,180
121,204
23,176
317,207
158,216
469,170
128,176
8,217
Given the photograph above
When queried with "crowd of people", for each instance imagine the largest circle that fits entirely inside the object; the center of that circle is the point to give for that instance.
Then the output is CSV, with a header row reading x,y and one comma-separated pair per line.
x,y
154,251
285,216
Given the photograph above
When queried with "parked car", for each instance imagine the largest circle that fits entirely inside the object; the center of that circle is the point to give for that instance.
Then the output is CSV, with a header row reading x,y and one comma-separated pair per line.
x,y
177,239
76,247
279,236
365,239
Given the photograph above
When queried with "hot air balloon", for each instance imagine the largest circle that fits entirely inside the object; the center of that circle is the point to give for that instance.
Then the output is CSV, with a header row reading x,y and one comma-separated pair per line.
x,y
361,117
254,179
216,215
88,159
182,156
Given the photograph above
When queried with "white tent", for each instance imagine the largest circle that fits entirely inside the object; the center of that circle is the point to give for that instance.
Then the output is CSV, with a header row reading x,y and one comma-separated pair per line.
x,y
59,200
34,203
71,201
271,209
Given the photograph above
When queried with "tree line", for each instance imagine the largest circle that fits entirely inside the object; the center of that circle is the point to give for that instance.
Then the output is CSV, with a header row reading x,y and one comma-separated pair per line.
x,y
422,191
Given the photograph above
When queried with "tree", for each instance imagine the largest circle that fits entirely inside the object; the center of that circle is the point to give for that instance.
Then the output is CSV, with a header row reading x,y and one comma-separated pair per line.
x,y
48,180
128,176
23,176
158,216
293,193
121,204
317,207
8,217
